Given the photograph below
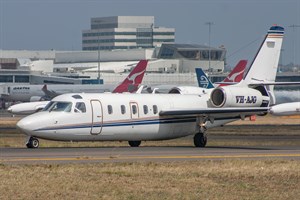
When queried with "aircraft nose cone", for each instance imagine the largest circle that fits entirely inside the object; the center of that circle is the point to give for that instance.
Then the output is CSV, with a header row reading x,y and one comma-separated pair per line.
x,y
24,126
20,124
9,110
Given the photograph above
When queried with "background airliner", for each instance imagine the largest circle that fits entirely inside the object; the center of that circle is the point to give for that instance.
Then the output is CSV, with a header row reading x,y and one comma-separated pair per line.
x,y
130,84
31,93
138,117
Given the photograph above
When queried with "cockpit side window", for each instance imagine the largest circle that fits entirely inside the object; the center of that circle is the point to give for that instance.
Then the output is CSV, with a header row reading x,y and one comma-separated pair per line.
x,y
48,105
80,107
60,106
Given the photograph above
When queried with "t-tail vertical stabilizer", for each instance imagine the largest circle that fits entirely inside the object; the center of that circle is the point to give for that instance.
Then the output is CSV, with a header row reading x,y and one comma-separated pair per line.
x,y
131,83
265,64
256,88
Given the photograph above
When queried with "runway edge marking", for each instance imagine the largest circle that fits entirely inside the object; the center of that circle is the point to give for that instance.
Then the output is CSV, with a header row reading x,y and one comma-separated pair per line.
x,y
149,157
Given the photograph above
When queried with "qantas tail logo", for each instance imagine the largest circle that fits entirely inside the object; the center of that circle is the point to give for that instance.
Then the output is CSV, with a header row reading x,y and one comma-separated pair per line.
x,y
134,76
132,81
236,75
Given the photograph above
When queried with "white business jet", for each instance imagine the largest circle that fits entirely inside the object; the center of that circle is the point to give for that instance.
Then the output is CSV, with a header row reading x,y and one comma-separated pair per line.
x,y
140,117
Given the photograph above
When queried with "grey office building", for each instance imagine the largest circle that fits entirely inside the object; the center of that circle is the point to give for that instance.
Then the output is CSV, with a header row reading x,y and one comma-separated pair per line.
x,y
125,32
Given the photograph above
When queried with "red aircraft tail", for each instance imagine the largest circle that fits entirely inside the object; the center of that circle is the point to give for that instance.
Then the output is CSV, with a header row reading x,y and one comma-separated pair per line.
x,y
236,75
132,81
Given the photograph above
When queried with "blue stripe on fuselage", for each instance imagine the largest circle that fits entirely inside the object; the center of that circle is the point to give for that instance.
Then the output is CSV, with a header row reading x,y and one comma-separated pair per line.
x,y
126,123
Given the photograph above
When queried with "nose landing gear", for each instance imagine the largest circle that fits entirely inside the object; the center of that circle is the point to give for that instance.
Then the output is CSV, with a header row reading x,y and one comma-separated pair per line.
x,y
32,142
134,143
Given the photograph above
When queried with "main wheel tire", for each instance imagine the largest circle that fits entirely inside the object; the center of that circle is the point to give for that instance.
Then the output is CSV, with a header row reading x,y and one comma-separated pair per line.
x,y
134,143
33,143
200,140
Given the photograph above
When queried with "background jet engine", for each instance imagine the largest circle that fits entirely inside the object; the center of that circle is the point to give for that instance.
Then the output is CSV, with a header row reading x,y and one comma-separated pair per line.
x,y
187,90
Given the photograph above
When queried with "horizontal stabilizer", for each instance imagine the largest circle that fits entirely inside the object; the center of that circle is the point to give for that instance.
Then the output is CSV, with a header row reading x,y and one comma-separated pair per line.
x,y
226,83
274,83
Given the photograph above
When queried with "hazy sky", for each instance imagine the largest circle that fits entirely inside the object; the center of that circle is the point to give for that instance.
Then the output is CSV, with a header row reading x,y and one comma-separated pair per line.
x,y
239,25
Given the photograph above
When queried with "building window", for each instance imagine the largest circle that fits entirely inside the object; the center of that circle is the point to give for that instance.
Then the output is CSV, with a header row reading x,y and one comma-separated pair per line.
x,y
163,33
109,109
21,79
166,53
155,109
6,79
194,54
145,109
123,109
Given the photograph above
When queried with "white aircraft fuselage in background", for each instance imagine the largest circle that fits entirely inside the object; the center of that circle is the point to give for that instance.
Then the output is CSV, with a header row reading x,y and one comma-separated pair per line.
x,y
30,93
285,109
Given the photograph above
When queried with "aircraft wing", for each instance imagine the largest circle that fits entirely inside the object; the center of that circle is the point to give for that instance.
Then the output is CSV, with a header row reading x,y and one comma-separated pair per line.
x,y
216,112
226,83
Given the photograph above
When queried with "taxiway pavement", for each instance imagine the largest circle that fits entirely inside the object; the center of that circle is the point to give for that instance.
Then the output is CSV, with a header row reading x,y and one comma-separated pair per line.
x,y
142,154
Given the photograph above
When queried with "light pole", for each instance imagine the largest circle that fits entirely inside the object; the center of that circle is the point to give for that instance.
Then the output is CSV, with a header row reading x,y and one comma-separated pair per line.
x,y
209,33
294,26
98,59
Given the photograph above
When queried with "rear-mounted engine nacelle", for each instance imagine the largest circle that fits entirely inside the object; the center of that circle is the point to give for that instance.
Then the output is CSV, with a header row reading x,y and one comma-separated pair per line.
x,y
238,97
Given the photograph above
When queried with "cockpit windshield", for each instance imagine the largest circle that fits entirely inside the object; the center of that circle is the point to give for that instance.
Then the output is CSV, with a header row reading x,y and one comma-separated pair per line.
x,y
58,106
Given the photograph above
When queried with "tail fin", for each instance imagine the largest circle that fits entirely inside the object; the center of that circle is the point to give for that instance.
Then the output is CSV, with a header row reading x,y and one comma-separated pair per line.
x,y
49,94
132,81
265,63
203,80
237,74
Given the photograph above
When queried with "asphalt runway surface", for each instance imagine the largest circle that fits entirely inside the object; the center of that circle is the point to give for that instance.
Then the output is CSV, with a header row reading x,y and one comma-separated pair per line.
x,y
142,154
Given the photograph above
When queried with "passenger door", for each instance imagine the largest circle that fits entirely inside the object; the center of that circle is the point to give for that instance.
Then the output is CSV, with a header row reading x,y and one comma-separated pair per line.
x,y
97,117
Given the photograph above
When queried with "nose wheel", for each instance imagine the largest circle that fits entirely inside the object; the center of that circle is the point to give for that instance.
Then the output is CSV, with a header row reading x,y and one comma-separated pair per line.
x,y
32,143
134,143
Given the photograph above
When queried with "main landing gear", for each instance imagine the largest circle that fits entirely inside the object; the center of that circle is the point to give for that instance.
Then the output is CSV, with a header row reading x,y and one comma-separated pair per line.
x,y
32,143
134,143
200,140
